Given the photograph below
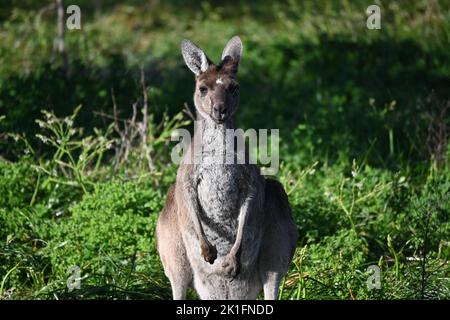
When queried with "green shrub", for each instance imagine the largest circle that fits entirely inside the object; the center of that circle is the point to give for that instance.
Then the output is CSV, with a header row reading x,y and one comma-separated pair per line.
x,y
17,183
107,229
328,269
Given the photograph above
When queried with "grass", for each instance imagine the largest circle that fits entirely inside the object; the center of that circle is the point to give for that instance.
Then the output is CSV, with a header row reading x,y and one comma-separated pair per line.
x,y
363,119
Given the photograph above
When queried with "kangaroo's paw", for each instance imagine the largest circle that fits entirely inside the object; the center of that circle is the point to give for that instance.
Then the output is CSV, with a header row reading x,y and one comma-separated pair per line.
x,y
231,266
209,253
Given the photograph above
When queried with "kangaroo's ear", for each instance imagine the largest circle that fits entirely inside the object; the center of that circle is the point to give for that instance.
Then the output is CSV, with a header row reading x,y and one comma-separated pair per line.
x,y
233,49
194,57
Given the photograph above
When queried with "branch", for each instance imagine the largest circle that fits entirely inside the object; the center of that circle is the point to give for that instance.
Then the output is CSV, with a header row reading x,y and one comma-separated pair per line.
x,y
188,111
145,109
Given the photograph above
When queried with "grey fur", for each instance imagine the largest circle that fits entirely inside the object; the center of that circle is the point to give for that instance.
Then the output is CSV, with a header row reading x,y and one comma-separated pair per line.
x,y
225,230
194,57
233,49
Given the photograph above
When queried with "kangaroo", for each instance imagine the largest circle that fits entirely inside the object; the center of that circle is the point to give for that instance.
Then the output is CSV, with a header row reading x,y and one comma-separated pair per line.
x,y
225,230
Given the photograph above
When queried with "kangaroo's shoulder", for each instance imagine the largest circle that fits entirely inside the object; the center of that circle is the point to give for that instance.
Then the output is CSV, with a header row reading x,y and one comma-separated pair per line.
x,y
170,205
275,195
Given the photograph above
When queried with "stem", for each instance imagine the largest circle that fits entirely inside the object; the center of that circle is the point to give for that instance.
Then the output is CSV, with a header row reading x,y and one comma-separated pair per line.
x,y
424,256
33,198
391,142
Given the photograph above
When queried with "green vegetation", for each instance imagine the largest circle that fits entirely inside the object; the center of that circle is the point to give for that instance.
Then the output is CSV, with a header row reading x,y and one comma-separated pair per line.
x,y
364,119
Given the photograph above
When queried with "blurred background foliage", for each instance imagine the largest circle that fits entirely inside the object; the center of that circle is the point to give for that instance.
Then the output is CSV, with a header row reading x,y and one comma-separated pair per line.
x,y
363,116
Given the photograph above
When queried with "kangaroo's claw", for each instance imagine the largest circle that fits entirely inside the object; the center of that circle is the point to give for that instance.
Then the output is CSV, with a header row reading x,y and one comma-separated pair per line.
x,y
231,266
209,253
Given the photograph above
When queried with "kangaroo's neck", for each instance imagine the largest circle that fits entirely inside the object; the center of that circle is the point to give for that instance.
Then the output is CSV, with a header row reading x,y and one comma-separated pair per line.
x,y
211,136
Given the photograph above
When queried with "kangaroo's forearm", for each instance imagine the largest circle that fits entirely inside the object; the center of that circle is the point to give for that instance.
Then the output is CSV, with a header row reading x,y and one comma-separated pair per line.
x,y
208,251
243,217
193,212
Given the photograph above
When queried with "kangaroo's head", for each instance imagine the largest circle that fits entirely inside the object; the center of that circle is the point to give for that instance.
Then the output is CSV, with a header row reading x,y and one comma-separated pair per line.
x,y
216,94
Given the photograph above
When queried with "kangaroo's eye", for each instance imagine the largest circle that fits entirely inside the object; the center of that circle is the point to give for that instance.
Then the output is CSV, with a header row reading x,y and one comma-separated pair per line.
x,y
203,90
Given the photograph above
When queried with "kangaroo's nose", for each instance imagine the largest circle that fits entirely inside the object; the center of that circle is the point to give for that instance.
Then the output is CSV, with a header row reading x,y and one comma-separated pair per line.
x,y
219,111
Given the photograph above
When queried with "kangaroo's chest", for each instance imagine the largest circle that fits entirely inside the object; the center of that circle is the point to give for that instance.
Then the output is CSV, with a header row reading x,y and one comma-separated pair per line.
x,y
219,191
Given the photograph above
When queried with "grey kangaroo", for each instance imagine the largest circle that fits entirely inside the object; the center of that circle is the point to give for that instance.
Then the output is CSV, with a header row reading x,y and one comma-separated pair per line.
x,y
225,230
